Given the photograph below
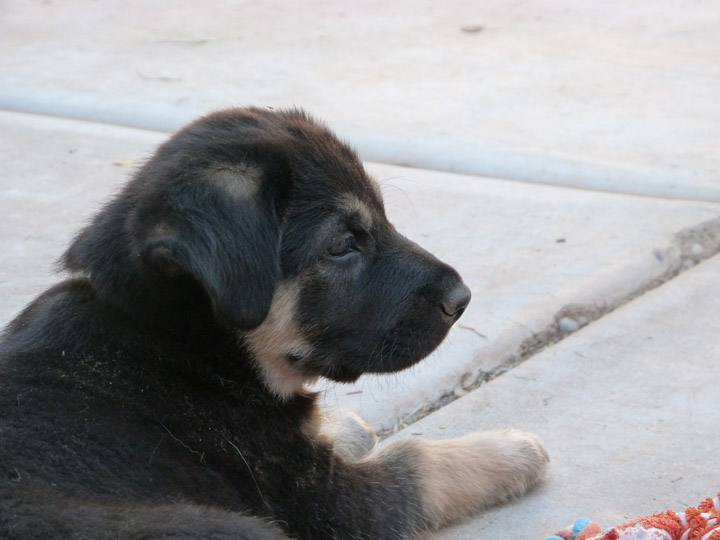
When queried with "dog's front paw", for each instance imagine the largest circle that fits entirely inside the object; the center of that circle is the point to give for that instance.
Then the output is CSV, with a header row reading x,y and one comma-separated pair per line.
x,y
352,437
462,476
519,461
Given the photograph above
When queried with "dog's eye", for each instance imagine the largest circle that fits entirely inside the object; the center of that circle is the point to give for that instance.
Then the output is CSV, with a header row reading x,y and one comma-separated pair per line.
x,y
343,247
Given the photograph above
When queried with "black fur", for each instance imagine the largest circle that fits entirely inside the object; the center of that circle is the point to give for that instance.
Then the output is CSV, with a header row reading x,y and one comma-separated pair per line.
x,y
131,405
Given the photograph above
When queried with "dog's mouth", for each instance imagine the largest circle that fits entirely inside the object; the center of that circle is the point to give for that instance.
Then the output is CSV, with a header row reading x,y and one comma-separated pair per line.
x,y
341,373
404,345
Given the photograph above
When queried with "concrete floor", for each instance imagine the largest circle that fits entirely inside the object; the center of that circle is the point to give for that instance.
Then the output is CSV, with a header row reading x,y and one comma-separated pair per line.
x,y
586,219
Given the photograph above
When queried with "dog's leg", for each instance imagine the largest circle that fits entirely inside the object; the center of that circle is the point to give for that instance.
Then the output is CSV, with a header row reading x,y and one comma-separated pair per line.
x,y
350,435
458,477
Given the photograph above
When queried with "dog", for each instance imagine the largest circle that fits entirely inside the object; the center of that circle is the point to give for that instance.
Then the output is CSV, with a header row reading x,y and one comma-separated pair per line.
x,y
161,390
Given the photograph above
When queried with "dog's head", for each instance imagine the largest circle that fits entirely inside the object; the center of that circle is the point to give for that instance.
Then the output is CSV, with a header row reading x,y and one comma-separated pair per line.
x,y
267,223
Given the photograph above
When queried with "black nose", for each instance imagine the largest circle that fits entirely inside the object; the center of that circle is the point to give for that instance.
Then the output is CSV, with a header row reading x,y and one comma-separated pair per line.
x,y
456,300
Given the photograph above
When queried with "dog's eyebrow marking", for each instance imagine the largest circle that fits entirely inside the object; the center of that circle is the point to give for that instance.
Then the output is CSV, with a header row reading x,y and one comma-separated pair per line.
x,y
353,205
276,340
241,182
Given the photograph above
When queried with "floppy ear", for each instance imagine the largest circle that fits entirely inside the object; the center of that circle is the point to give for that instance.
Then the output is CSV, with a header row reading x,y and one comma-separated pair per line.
x,y
223,231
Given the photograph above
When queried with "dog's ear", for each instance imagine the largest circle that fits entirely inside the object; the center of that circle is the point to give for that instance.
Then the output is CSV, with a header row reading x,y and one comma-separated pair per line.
x,y
220,227
224,231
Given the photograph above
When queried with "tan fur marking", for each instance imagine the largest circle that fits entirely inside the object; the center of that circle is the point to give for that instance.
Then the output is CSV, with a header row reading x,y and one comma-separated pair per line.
x,y
161,229
350,435
312,426
276,338
461,476
240,182
353,204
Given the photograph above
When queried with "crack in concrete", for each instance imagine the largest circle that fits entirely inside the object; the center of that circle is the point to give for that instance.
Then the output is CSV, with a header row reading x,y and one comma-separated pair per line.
x,y
690,247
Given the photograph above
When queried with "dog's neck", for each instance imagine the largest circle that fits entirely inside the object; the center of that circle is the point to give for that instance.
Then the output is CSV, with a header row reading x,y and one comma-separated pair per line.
x,y
277,346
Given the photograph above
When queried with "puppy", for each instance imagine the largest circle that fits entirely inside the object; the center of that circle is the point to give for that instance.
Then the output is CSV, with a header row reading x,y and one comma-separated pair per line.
x,y
160,391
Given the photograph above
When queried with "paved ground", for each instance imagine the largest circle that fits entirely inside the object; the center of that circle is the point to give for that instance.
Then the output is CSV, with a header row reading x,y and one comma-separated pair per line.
x,y
589,140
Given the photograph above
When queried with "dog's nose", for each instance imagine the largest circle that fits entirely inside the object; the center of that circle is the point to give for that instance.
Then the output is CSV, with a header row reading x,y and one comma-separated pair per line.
x,y
456,300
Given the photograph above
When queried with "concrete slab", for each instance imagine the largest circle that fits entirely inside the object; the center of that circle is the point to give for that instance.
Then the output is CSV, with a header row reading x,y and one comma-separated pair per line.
x,y
615,95
628,408
540,260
